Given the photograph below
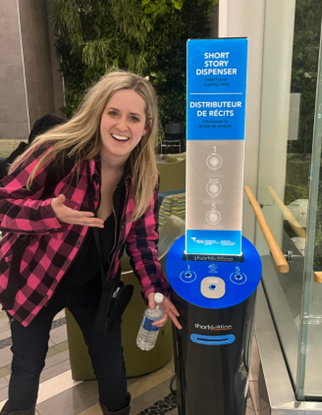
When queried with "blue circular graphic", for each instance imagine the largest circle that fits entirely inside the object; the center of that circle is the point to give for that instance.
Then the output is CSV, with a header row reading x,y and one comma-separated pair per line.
x,y
241,278
188,276
238,278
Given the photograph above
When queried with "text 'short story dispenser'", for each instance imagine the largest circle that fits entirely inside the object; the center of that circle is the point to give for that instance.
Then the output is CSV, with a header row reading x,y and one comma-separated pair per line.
x,y
214,271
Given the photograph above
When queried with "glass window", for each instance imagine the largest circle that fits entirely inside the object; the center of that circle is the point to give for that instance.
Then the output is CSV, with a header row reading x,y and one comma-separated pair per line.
x,y
286,185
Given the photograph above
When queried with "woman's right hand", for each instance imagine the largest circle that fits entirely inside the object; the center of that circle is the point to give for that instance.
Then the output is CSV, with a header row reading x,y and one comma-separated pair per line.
x,y
74,217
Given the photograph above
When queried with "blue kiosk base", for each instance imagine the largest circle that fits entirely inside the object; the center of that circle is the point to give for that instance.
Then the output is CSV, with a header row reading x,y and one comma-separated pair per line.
x,y
212,351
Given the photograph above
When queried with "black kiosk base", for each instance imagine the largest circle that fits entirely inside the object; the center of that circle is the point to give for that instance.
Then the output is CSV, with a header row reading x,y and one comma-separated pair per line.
x,y
212,351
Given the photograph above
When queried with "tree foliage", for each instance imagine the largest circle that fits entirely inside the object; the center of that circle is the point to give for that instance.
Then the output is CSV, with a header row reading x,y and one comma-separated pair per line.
x,y
147,37
305,66
304,80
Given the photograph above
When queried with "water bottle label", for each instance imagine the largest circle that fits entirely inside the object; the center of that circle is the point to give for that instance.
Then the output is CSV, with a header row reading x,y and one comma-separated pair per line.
x,y
147,324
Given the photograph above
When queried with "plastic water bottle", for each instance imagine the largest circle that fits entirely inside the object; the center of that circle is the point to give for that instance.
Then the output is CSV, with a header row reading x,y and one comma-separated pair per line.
x,y
148,334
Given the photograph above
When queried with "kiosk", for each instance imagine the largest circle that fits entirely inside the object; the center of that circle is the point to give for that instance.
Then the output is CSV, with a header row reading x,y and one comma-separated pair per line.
x,y
213,271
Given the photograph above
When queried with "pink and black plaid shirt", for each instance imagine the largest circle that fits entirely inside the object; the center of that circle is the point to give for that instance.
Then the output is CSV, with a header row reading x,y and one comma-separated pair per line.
x,y
50,247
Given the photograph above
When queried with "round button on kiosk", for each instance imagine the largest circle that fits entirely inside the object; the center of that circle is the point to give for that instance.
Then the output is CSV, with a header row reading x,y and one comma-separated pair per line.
x,y
238,278
188,276
213,287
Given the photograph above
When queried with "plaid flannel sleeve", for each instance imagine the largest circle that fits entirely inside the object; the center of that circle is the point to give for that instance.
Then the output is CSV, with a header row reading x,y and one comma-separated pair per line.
x,y
21,210
142,248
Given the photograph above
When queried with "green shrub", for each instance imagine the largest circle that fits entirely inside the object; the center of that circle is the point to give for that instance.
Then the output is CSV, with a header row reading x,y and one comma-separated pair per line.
x,y
294,192
297,172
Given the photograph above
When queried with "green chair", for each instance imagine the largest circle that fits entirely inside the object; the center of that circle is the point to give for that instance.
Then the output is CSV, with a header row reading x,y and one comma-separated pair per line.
x,y
172,158
172,205
172,176
137,362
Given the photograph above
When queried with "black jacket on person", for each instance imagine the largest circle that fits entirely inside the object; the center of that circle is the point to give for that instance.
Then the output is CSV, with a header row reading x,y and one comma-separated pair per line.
x,y
41,126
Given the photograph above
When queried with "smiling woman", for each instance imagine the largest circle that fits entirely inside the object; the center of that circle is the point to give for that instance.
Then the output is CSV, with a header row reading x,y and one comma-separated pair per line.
x,y
104,199
80,138
123,124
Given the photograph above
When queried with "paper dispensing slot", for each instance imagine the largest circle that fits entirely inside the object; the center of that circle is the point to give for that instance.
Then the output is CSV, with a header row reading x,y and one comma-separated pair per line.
x,y
215,340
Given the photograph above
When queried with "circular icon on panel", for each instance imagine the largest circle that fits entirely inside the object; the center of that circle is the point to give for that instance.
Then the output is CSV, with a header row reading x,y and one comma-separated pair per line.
x,y
214,188
188,276
238,278
214,161
213,217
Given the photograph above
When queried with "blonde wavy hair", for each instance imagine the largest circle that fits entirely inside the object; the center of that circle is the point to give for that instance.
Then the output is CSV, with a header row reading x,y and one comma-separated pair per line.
x,y
80,136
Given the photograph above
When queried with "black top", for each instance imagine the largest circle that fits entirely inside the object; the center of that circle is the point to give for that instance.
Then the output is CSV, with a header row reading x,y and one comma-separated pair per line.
x,y
87,262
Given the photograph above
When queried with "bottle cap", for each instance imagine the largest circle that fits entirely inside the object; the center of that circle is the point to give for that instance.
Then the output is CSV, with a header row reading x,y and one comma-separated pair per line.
x,y
158,297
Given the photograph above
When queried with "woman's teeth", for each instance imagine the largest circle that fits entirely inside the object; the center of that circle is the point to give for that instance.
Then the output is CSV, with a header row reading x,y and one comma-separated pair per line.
x,y
120,137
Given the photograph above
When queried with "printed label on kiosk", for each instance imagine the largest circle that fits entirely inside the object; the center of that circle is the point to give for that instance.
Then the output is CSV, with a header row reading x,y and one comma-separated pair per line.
x,y
216,106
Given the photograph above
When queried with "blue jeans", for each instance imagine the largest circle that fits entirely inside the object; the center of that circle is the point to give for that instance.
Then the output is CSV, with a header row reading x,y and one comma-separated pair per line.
x,y
30,345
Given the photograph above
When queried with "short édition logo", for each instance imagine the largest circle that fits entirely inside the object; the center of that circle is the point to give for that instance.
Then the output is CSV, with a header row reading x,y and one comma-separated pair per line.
x,y
212,327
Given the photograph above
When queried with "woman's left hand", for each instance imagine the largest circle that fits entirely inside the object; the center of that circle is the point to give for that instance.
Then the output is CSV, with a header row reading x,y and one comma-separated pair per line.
x,y
169,310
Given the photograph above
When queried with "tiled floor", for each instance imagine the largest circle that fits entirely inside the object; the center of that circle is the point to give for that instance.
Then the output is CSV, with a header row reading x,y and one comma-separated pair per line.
x,y
59,394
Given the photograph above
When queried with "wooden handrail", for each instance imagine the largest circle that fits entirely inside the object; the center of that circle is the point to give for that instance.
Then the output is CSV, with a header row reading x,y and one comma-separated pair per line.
x,y
297,228
318,277
281,264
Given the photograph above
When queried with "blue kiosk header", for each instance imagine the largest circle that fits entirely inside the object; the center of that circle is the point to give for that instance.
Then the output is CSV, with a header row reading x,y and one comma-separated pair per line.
x,y
216,107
